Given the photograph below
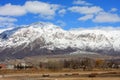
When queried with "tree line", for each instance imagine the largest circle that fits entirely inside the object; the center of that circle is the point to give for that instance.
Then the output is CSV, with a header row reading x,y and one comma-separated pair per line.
x,y
79,63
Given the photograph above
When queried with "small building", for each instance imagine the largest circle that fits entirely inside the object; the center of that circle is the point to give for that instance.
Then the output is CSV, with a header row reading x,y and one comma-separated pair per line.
x,y
23,65
2,66
10,66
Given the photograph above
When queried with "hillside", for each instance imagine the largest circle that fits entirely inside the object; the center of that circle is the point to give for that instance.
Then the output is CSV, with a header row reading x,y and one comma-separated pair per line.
x,y
45,38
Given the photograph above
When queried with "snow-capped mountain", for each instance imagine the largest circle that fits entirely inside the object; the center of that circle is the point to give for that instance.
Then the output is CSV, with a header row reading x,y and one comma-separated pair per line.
x,y
45,38
2,30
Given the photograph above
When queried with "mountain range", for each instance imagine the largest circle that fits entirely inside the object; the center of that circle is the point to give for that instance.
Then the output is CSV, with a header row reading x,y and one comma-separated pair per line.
x,y
43,38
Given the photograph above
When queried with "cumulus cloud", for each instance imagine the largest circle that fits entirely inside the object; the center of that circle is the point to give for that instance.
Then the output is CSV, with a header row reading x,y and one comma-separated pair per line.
x,y
95,13
34,7
62,12
81,2
7,21
86,9
86,17
44,9
104,17
12,10
7,25
61,23
113,9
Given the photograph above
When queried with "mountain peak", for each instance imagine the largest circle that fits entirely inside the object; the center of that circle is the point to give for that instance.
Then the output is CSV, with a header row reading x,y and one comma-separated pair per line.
x,y
34,27
46,25
42,36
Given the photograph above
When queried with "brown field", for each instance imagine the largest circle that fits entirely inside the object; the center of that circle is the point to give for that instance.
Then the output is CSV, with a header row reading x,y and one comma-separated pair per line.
x,y
108,78
59,75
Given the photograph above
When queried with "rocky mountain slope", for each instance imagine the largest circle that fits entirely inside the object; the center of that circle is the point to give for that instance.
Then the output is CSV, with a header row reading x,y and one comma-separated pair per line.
x,y
45,38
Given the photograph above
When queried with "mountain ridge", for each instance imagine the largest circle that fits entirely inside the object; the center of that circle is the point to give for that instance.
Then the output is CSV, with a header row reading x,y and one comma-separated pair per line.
x,y
44,38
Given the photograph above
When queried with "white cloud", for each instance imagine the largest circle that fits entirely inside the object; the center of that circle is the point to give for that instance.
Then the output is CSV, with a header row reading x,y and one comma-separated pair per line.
x,y
104,17
81,2
96,14
86,17
7,24
62,12
7,21
44,9
48,17
113,9
86,9
61,23
34,7
12,10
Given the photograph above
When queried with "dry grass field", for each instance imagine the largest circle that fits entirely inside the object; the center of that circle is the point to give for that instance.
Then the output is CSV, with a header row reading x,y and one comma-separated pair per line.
x,y
60,75
57,70
110,78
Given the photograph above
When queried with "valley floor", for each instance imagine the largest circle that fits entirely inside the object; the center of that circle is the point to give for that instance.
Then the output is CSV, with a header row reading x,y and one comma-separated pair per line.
x,y
67,75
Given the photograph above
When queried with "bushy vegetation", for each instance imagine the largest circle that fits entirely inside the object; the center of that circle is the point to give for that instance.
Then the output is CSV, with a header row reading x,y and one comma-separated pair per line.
x,y
78,63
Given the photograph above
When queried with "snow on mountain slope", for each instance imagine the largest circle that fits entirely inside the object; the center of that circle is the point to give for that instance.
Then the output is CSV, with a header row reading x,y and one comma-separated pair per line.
x,y
2,30
43,35
100,39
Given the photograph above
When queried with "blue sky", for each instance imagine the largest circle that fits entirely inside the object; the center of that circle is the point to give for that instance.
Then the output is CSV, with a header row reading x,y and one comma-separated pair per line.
x,y
65,13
